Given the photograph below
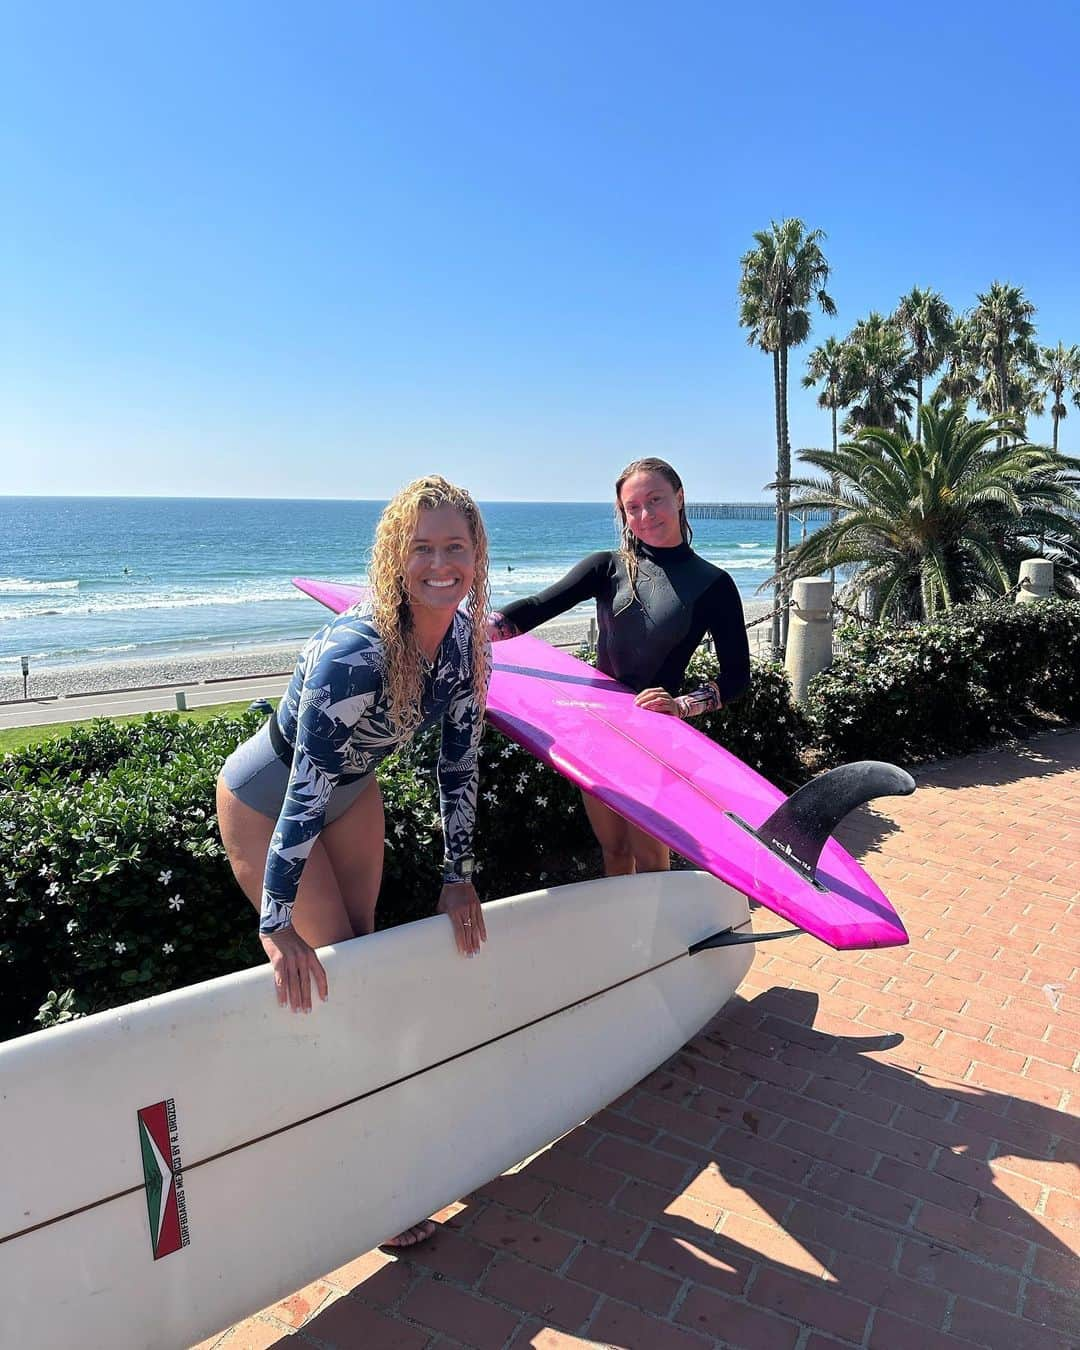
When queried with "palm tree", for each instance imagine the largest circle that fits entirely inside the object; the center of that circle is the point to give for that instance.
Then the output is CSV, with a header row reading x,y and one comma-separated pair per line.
x,y
929,523
781,275
926,321
959,380
1059,372
826,364
1004,338
880,375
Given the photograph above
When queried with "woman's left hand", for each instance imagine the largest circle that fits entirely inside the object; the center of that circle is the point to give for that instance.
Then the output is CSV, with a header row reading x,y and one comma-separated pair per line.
x,y
658,700
460,901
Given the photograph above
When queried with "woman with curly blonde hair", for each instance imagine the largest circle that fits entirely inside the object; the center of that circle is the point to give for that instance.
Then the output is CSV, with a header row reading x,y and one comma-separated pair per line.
x,y
299,808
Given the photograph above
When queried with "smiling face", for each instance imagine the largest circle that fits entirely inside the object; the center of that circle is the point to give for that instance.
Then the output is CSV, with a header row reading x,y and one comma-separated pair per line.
x,y
650,506
441,561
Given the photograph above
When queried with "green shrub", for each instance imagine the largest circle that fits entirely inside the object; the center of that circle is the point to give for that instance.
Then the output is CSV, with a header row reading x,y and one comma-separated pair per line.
x,y
113,881
945,687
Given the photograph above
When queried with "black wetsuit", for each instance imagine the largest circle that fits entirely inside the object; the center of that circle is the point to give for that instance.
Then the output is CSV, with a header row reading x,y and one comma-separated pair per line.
x,y
648,633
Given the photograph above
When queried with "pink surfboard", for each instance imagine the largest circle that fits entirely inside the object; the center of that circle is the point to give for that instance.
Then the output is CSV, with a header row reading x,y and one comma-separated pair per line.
x,y
672,781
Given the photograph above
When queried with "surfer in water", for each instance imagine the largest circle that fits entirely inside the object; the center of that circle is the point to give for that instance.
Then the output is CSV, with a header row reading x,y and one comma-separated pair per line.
x,y
655,601
299,808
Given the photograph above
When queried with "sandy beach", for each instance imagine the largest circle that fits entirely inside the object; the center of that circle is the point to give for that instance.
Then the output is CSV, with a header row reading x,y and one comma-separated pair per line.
x,y
273,659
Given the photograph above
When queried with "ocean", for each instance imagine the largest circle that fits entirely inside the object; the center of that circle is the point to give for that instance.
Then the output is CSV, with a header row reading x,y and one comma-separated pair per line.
x,y
88,579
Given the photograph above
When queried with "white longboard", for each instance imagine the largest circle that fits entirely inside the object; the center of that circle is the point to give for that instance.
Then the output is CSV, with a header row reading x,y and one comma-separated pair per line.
x,y
173,1166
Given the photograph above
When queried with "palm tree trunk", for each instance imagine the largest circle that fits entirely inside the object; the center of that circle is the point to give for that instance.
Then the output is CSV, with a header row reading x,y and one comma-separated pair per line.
x,y
778,558
785,480
918,406
834,514
1057,419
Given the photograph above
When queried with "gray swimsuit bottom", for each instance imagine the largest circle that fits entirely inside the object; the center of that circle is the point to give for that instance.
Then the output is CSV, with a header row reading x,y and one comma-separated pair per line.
x,y
255,775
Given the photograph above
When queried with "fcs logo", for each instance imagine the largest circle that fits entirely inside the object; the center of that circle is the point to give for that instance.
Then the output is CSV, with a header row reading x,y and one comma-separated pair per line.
x,y
576,703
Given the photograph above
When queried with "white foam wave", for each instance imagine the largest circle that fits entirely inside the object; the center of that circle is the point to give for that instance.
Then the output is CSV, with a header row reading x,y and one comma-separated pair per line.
x,y
134,603
21,586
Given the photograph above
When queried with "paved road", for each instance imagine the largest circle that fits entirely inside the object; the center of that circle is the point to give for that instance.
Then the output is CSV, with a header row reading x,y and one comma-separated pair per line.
x,y
82,707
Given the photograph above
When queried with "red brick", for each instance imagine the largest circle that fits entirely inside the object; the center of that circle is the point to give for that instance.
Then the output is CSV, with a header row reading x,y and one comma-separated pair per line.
x,y
450,1254
878,1201
505,1230
299,1307
637,1161
624,1278
860,1103
517,1190
812,1304
890,1332
620,1123
536,1291
382,1279
576,1174
596,1223
884,1289
1050,1308
1059,1267
533,1335
843,1234
991,1327
967,1234
729,1323
675,1119
941,1268
472,1321
707,1262
682,1212
617,1324
1063,1208
349,1323
765,1155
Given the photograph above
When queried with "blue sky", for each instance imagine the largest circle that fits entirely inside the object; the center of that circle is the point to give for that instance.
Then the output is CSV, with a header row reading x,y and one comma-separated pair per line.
x,y
266,249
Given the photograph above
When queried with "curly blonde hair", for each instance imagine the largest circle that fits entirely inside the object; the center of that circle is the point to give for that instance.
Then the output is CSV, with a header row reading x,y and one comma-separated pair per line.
x,y
629,544
406,663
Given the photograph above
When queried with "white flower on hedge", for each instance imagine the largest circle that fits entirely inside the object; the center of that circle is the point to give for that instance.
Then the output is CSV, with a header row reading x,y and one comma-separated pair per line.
x,y
520,785
121,948
490,797
541,801
165,877
72,926
54,889
508,750
43,870
168,948
176,901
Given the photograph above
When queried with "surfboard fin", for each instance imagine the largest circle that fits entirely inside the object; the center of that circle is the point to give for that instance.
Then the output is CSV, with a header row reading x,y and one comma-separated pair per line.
x,y
799,829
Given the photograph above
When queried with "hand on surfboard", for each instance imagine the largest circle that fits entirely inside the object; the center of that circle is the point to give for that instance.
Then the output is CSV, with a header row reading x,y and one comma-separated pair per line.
x,y
461,903
296,969
657,700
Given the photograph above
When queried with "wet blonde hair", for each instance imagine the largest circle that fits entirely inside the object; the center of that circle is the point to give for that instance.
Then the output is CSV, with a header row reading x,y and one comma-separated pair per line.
x,y
629,543
406,663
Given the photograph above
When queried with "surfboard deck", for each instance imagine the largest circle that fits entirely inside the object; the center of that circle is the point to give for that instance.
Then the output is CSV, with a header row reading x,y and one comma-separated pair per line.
x,y
671,780
174,1165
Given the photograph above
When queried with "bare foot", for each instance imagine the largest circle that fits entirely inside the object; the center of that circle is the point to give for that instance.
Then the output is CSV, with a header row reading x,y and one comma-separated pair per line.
x,y
419,1232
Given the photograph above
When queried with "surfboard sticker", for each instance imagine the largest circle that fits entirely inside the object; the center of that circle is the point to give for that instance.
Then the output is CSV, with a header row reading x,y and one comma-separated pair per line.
x,y
163,1177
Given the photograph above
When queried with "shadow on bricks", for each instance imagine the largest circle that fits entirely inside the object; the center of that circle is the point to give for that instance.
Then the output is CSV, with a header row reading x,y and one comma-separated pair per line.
x,y
768,1178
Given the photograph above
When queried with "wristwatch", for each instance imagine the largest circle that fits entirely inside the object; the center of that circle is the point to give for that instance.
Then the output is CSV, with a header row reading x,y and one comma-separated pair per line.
x,y
461,870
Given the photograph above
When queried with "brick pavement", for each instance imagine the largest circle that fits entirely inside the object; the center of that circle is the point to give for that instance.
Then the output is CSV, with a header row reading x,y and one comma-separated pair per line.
x,y
875,1149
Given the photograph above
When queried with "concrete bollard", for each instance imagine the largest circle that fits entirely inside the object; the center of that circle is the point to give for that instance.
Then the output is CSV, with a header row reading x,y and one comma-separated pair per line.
x,y
809,644
181,700
1036,580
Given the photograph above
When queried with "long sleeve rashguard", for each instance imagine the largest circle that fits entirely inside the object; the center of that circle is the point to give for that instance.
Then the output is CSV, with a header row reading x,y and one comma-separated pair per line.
x,y
335,715
648,632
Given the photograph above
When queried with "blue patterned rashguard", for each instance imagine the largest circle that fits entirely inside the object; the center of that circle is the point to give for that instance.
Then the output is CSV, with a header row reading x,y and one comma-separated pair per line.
x,y
335,715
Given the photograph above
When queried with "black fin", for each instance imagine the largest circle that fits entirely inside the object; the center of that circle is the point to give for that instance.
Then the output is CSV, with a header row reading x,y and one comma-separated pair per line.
x,y
799,828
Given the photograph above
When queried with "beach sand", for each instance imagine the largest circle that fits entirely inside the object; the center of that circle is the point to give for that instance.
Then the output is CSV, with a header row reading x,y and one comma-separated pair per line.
x,y
272,659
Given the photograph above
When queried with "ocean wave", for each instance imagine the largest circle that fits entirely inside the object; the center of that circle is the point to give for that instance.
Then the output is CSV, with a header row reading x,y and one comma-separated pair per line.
x,y
21,586
128,604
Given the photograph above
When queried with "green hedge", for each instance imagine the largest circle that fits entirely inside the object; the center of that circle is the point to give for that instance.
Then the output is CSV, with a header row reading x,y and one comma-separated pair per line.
x,y
113,881
943,688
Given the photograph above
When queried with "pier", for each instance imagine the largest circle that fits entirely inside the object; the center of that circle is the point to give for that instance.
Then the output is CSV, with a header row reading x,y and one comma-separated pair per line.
x,y
746,511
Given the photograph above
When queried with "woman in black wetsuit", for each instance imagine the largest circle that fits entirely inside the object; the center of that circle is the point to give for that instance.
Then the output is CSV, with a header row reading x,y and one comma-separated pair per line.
x,y
655,601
